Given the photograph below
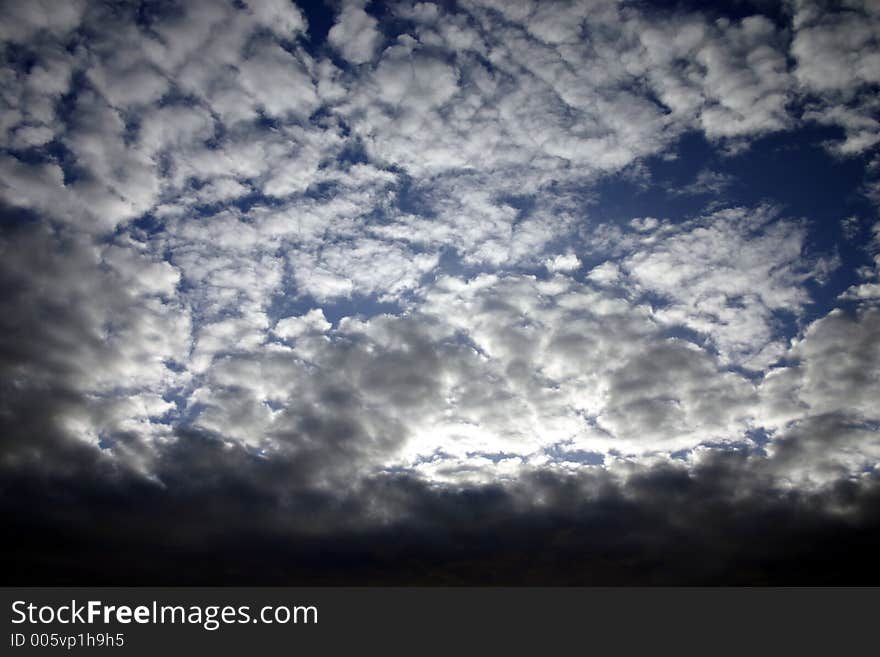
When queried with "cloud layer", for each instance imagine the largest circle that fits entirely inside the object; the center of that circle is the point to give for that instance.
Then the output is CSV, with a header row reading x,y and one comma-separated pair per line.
x,y
313,289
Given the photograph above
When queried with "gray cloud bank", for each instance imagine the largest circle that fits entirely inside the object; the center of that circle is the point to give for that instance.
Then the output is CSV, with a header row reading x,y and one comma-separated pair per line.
x,y
226,517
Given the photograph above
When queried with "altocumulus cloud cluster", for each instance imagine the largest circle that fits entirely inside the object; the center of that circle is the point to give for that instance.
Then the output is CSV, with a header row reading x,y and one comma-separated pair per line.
x,y
474,291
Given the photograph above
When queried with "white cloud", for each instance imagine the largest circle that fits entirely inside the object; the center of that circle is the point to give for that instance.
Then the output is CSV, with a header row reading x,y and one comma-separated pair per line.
x,y
870,289
725,276
607,273
838,59
293,327
354,34
278,82
707,182
370,267
563,262
822,405
433,175
22,20
281,16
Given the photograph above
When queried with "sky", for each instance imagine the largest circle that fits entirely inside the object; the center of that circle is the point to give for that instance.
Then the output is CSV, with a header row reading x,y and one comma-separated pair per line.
x,y
474,292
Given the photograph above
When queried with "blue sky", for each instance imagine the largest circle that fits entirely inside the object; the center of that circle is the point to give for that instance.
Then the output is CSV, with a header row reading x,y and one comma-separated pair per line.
x,y
470,244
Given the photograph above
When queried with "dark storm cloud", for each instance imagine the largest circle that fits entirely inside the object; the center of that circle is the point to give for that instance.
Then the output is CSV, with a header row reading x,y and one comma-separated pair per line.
x,y
229,517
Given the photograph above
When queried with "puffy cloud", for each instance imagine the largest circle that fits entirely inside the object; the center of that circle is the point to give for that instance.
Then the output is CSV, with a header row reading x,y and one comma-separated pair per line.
x,y
281,16
836,50
838,58
293,327
95,332
565,262
822,405
862,130
354,34
869,290
725,276
278,82
365,267
557,362
835,367
524,118
731,76
24,20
